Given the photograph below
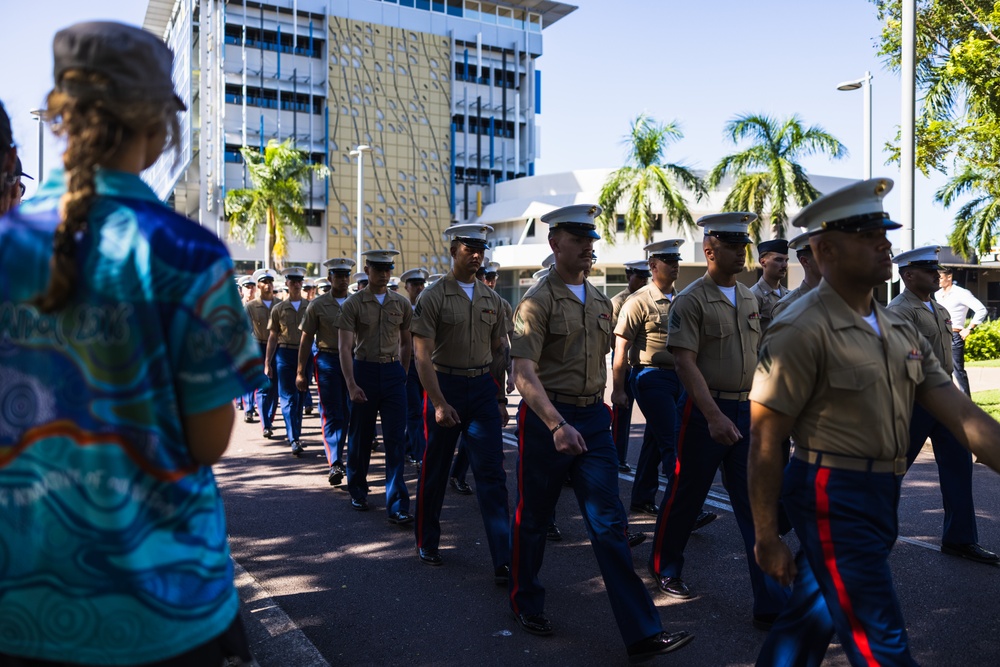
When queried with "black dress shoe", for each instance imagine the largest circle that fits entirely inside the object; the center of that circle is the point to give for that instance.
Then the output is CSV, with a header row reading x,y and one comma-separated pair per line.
x,y
645,508
268,433
412,461
634,539
624,467
764,621
536,624
335,476
401,518
360,505
429,556
501,575
296,448
704,518
308,409
674,587
248,418
665,642
552,533
460,486
972,552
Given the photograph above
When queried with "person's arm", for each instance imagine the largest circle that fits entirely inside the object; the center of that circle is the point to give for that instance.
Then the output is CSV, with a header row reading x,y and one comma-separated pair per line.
x,y
619,371
567,440
405,348
768,430
501,357
272,346
978,314
975,429
345,346
207,433
720,427
305,351
444,414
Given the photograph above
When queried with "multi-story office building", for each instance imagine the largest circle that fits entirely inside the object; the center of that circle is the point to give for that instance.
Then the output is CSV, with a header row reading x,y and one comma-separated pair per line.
x,y
444,92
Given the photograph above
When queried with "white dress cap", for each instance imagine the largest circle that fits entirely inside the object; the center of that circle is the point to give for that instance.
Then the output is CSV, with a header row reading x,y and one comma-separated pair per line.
x,y
926,256
359,277
471,234
855,208
419,275
380,256
294,272
577,219
344,264
264,273
728,227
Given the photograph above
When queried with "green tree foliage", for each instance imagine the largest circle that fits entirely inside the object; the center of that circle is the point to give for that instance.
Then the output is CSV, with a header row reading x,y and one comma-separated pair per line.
x,y
766,175
958,120
646,180
275,200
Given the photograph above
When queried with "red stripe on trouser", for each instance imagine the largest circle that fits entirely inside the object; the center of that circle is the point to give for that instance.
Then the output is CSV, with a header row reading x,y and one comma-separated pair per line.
x,y
420,478
665,511
830,559
515,530
322,413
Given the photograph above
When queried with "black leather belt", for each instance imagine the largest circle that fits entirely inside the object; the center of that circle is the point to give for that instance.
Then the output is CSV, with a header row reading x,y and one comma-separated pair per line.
x,y
660,366
730,395
285,346
578,401
381,359
841,462
328,349
463,372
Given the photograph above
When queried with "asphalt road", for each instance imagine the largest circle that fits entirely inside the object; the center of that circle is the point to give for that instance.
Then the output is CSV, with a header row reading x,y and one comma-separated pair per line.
x,y
324,584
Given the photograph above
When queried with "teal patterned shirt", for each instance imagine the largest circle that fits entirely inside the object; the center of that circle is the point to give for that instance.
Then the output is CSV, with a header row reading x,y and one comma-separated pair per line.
x,y
112,538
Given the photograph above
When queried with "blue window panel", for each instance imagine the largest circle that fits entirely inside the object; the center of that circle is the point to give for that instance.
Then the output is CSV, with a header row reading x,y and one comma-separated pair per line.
x,y
538,91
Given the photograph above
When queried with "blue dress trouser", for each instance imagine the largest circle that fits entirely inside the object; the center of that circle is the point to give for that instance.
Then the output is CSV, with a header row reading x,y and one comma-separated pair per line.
x,y
309,370
954,463
416,439
267,397
288,394
475,400
621,422
958,357
541,471
385,387
846,522
657,391
460,468
334,404
698,458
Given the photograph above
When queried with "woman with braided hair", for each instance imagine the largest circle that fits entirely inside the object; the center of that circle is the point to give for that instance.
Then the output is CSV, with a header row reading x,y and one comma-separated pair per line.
x,y
122,345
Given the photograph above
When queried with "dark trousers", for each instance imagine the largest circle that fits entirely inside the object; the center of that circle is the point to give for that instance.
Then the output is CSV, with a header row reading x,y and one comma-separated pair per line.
x,y
385,387
958,356
287,362
475,400
334,404
310,369
698,458
267,397
541,471
954,463
416,438
657,392
846,523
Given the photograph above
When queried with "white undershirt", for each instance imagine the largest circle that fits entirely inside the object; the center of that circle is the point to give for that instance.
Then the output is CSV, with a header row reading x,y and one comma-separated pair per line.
x,y
580,291
340,299
730,293
468,287
267,303
380,298
872,321
295,305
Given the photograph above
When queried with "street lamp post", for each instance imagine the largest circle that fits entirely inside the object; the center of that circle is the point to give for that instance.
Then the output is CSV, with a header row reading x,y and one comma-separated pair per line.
x,y
866,84
359,153
39,115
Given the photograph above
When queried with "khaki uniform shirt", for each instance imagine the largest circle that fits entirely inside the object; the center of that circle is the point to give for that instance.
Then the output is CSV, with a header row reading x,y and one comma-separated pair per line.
x,y
849,391
285,321
376,326
617,301
322,317
766,298
935,326
463,329
260,317
568,340
789,298
643,321
703,320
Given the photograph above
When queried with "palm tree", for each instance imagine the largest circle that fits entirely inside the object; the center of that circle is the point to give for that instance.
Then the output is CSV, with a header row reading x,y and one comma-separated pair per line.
x,y
976,221
275,200
645,180
767,174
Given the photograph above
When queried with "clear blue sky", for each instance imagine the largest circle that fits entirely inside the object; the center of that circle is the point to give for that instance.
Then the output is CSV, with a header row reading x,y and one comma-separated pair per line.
x,y
699,63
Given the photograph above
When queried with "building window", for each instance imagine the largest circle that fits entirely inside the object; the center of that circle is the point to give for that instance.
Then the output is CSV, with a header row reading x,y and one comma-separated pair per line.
x,y
531,228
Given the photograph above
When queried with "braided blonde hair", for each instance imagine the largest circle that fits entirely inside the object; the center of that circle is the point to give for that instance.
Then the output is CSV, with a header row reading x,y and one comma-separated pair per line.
x,y
96,122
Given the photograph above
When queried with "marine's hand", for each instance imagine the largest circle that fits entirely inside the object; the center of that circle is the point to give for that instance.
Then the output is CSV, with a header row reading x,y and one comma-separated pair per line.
x,y
775,559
